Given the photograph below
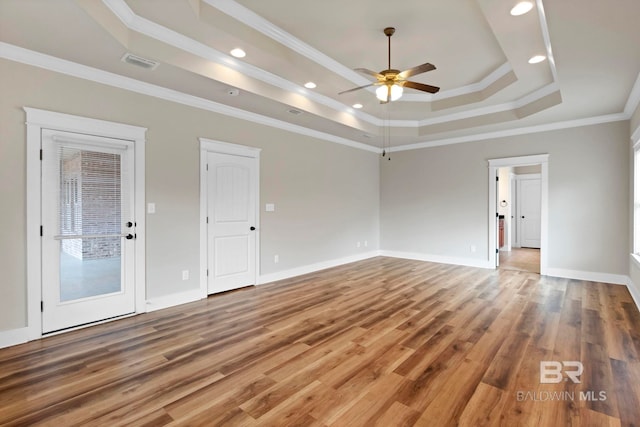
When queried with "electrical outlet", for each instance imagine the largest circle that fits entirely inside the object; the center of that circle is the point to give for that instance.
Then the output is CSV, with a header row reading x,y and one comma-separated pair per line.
x,y
276,259
185,274
151,208
366,244
358,245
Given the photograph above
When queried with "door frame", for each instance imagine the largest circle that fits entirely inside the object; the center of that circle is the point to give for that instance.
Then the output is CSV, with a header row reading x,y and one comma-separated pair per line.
x,y
42,119
494,165
211,146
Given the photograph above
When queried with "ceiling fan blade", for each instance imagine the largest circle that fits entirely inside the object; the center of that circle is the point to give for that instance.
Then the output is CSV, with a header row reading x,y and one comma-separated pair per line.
x,y
357,88
417,70
419,86
369,73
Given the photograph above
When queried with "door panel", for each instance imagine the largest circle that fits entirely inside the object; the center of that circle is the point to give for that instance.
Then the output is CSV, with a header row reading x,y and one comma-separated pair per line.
x,y
231,211
530,212
86,200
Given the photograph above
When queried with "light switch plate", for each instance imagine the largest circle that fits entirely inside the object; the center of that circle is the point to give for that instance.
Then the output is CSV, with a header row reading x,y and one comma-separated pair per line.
x,y
151,208
270,207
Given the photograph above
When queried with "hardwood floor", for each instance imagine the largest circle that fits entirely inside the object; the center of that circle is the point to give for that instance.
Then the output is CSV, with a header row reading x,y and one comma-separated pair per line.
x,y
522,259
382,342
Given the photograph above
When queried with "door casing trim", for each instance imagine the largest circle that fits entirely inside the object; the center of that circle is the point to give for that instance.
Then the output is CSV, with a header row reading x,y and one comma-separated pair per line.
x,y
42,119
211,146
494,165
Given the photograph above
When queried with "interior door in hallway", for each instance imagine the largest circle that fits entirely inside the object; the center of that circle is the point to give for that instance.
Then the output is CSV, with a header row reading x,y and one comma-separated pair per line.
x,y
87,229
231,221
529,213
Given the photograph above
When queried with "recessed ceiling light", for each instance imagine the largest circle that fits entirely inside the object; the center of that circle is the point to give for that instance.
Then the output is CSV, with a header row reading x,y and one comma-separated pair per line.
x,y
238,53
536,59
521,8
357,106
310,85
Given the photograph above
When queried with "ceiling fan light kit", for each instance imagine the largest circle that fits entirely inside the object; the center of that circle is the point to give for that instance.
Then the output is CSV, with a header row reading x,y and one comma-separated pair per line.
x,y
393,81
389,92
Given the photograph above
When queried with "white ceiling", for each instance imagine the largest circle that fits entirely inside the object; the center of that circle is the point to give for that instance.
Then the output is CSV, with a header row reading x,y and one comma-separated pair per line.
x,y
479,49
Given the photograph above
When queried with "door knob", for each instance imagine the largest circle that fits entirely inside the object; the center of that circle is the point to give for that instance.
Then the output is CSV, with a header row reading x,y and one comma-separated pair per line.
x,y
522,216
252,228
129,224
129,236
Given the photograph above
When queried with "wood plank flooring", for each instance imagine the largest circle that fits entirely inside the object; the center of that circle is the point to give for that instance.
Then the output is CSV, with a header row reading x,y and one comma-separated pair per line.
x,y
523,259
382,342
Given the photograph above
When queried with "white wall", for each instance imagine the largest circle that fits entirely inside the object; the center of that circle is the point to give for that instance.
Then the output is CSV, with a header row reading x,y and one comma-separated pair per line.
x,y
429,201
434,201
326,195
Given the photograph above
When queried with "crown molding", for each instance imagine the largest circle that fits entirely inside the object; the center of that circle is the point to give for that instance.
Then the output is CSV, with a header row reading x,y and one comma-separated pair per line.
x,y
244,15
542,17
514,132
492,109
248,17
634,98
172,38
258,23
483,84
62,66
51,63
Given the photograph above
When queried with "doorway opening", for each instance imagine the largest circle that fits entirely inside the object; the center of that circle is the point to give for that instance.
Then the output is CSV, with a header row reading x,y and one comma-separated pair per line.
x,y
521,259
519,195
518,213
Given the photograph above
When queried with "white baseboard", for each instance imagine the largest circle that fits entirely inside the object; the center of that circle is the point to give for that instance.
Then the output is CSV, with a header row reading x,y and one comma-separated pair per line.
x,y
469,262
14,337
171,300
634,291
306,269
616,279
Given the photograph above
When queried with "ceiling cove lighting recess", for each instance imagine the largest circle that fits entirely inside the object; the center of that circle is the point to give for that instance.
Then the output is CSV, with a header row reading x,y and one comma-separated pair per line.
x,y
536,59
310,85
357,106
521,8
238,53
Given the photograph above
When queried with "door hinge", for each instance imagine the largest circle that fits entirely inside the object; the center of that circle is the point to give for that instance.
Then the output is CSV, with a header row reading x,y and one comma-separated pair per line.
x,y
207,272
207,166
41,231
497,251
41,154
207,220
42,306
497,178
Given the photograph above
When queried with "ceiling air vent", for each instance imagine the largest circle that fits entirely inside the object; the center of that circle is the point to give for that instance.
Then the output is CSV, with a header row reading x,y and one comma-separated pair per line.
x,y
139,61
294,111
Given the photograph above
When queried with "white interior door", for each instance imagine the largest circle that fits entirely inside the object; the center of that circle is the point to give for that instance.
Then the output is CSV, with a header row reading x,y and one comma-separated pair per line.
x,y
88,233
231,219
529,203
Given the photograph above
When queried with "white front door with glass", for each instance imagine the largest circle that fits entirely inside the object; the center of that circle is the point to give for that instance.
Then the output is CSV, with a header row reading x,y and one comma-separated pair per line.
x,y
88,231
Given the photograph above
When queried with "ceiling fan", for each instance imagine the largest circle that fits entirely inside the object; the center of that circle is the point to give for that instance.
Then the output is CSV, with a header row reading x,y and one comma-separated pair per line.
x,y
392,81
